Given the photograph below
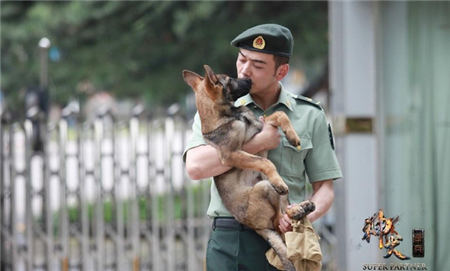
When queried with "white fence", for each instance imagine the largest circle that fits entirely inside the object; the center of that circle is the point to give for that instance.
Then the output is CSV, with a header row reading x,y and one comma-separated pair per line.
x,y
106,195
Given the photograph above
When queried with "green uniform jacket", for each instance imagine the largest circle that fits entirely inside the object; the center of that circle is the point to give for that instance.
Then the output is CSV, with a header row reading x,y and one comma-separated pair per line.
x,y
316,161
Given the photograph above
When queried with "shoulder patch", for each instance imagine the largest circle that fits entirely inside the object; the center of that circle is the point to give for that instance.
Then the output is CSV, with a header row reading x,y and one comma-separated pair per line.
x,y
308,100
330,133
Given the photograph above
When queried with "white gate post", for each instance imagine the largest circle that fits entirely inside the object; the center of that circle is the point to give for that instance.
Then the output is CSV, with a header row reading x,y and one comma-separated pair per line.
x,y
353,29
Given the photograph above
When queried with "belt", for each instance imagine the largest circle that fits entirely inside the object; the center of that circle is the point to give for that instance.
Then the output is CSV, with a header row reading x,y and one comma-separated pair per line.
x,y
228,223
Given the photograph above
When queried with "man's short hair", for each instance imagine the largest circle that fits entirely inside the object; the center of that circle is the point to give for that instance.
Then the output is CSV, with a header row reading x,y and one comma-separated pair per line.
x,y
280,60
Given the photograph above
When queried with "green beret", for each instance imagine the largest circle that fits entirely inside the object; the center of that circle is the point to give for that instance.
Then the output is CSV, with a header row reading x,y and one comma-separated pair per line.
x,y
266,38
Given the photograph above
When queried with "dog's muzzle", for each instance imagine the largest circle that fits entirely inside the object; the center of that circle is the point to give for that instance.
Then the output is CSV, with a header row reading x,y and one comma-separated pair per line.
x,y
243,88
245,84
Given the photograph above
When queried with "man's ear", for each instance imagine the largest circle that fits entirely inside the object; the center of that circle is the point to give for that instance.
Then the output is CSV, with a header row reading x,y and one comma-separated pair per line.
x,y
192,79
282,71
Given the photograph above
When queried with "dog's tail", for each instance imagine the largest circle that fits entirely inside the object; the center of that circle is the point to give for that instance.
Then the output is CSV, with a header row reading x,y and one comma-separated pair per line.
x,y
277,243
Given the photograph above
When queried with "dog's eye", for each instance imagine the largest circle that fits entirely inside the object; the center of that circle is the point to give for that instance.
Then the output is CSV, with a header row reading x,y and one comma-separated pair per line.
x,y
224,82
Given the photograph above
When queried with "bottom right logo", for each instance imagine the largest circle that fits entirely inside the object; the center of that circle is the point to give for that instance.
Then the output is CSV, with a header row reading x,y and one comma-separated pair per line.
x,y
384,228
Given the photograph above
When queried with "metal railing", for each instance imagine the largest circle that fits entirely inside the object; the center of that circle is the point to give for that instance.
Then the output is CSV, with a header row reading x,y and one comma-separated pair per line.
x,y
104,195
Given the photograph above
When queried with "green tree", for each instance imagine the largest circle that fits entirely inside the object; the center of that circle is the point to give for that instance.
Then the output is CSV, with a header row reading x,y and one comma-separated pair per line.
x,y
138,49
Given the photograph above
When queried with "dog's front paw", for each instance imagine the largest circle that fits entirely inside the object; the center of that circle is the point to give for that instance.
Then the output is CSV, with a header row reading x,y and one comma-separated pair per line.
x,y
300,210
293,139
281,188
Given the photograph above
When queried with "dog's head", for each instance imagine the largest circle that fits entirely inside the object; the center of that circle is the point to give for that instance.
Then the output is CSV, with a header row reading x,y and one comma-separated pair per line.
x,y
217,87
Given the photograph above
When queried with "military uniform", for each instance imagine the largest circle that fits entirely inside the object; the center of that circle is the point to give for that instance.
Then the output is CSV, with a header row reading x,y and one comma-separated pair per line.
x,y
239,248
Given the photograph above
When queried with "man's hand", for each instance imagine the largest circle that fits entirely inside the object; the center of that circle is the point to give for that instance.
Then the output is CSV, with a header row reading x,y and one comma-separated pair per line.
x,y
270,135
323,196
269,138
285,224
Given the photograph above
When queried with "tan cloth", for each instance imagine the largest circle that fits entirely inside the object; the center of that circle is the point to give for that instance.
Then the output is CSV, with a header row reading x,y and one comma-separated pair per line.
x,y
303,248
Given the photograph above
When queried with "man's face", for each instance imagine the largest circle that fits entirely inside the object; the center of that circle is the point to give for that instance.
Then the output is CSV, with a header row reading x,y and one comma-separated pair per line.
x,y
259,67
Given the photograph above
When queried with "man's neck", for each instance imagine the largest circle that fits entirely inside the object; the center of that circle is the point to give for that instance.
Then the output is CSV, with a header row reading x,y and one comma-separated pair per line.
x,y
267,98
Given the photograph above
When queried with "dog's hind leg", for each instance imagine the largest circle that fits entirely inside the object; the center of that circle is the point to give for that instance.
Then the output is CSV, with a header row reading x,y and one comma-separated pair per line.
x,y
276,242
300,210
244,160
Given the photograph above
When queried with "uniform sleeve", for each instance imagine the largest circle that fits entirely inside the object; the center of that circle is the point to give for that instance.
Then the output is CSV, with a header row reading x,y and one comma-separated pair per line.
x,y
321,162
196,138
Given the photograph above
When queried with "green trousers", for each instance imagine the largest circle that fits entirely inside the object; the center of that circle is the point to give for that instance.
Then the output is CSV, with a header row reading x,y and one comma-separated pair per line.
x,y
237,250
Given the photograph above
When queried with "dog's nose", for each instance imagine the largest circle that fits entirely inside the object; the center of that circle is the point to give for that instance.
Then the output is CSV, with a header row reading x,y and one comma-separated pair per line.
x,y
247,84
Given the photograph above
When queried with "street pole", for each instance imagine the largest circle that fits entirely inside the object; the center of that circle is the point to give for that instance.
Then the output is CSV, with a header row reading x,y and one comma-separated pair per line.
x,y
44,45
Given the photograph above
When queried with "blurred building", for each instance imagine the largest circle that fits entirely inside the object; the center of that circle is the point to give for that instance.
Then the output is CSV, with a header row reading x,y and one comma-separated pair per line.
x,y
390,90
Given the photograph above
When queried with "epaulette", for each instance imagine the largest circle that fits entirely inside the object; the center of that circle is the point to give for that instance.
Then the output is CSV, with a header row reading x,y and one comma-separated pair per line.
x,y
308,100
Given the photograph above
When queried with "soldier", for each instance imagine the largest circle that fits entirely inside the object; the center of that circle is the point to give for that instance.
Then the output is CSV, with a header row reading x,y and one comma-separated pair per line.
x,y
264,52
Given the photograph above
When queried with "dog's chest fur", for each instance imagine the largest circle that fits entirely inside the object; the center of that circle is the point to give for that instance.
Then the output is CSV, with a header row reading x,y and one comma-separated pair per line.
x,y
240,122
241,125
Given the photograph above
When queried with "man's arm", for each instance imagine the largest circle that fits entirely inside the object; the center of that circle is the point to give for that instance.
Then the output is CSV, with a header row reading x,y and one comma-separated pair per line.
x,y
323,197
203,161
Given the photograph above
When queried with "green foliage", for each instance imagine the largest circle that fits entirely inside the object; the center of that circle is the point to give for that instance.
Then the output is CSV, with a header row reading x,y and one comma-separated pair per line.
x,y
144,207
138,49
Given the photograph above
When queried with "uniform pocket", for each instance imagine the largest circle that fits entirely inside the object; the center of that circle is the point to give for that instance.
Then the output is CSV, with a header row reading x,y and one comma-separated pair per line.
x,y
292,158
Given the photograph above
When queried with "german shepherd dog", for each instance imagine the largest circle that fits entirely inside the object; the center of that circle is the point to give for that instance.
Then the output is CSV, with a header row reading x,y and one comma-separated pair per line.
x,y
252,191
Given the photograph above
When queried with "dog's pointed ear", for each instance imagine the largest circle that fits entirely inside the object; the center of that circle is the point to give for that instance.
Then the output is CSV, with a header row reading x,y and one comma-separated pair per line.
x,y
210,83
210,76
192,79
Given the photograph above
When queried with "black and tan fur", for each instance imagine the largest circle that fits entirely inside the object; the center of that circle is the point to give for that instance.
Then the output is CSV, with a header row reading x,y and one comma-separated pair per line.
x,y
252,191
